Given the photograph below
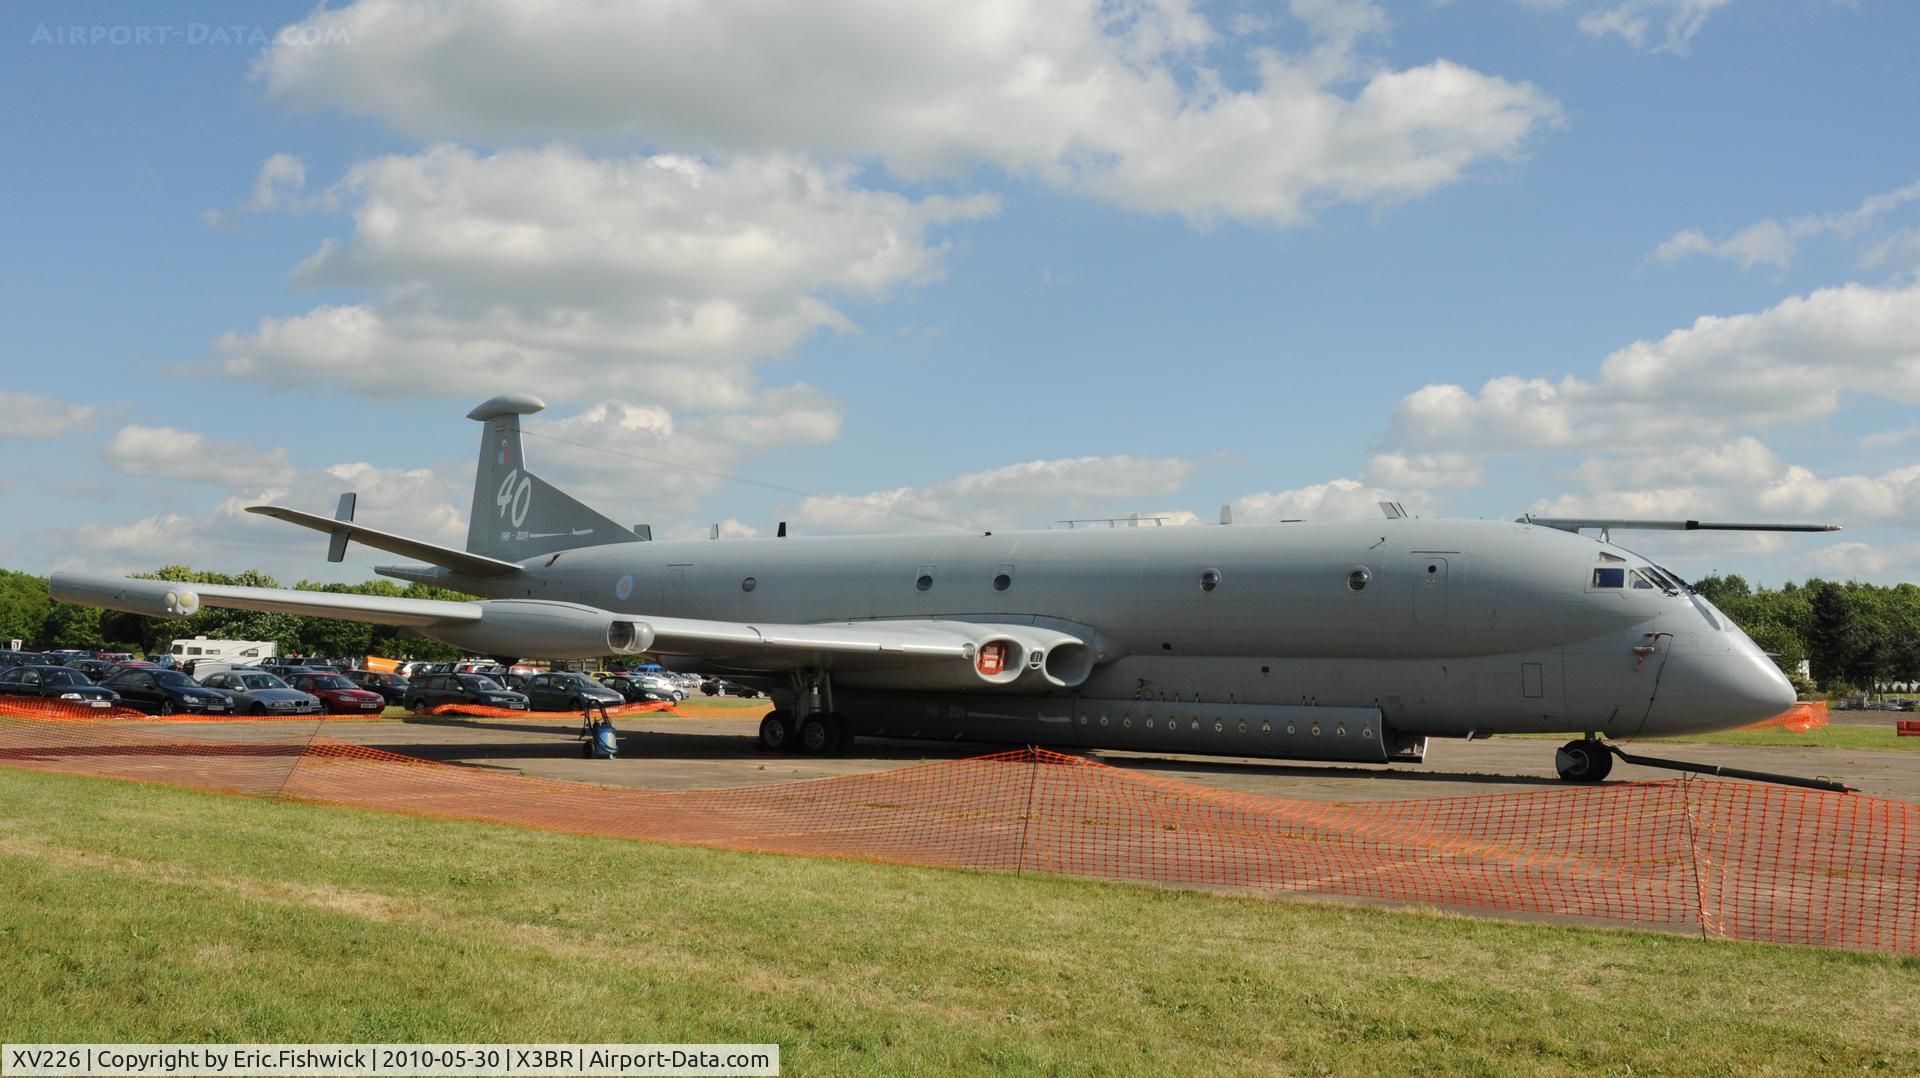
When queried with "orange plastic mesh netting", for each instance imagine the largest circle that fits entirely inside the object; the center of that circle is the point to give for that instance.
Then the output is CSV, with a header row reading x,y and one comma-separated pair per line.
x,y
1800,718
1724,859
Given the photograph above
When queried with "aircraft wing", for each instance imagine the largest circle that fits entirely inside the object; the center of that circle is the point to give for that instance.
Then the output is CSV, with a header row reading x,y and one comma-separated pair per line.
x,y
167,599
432,553
917,653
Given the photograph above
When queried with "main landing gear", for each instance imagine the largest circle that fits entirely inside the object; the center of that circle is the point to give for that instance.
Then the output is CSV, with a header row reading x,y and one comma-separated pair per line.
x,y
812,727
1583,761
822,733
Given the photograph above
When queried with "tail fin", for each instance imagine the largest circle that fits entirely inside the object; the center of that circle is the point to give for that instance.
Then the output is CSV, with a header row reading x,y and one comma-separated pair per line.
x,y
517,514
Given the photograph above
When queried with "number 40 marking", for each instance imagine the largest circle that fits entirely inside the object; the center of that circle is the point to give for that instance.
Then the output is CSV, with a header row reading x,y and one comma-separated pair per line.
x,y
516,493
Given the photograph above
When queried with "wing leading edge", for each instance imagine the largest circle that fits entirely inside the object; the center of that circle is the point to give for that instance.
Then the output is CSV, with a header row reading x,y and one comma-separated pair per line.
x,y
915,653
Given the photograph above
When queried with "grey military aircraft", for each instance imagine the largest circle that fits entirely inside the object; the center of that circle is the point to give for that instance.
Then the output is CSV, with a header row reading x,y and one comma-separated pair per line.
x,y
1349,641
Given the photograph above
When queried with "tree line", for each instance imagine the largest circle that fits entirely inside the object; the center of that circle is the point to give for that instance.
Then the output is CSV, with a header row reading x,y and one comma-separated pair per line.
x,y
1854,636
28,614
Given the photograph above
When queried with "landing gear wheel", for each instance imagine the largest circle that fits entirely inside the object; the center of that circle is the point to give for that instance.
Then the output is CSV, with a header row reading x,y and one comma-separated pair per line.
x,y
820,734
776,731
1583,761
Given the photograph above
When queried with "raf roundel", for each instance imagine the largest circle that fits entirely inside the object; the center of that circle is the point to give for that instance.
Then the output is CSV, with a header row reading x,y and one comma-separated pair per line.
x,y
623,588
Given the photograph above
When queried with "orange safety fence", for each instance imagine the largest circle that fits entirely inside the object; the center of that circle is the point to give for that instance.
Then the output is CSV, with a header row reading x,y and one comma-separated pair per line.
x,y
1722,859
1800,718
484,711
66,711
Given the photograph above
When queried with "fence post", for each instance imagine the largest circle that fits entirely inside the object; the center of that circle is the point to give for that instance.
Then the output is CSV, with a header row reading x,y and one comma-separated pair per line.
x,y
1026,816
1694,858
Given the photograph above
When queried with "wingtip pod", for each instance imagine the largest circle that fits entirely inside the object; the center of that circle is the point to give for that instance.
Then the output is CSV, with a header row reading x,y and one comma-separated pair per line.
x,y
151,598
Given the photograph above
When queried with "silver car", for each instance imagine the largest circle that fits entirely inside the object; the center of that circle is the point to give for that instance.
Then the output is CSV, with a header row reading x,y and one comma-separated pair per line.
x,y
256,692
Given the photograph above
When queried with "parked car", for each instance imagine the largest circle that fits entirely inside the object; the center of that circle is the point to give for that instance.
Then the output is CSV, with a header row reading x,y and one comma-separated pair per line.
x,y
257,692
566,691
95,669
392,687
23,658
56,683
721,687
167,692
635,690
341,697
662,684
432,690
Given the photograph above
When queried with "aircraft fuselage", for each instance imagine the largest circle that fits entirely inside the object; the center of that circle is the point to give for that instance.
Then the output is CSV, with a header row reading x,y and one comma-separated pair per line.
x,y
1236,639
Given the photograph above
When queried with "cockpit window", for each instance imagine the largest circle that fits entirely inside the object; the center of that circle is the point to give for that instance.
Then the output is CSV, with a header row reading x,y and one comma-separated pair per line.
x,y
1609,578
1640,581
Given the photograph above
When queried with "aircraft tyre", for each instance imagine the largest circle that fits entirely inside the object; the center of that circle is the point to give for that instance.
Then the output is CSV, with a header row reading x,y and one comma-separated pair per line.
x,y
820,735
776,731
1583,761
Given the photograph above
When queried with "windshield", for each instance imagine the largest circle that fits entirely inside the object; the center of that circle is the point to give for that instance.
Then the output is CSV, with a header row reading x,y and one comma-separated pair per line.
x,y
475,681
262,681
62,677
173,679
1671,580
332,681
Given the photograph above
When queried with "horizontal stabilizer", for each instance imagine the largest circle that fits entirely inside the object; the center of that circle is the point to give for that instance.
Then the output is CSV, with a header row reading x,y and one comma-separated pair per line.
x,y
432,553
1574,524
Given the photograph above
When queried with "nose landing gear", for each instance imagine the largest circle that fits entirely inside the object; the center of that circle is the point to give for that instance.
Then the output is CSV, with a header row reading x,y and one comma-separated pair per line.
x,y
1583,761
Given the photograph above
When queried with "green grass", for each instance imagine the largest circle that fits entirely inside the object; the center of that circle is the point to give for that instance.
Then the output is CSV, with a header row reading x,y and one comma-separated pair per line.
x,y
1834,736
134,912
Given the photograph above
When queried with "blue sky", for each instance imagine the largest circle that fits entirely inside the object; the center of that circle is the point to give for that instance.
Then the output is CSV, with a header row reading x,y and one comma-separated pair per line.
x,y
987,262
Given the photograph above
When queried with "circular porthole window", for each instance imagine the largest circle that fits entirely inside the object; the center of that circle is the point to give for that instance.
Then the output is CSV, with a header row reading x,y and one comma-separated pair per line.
x,y
1210,580
749,584
1002,582
1357,579
924,582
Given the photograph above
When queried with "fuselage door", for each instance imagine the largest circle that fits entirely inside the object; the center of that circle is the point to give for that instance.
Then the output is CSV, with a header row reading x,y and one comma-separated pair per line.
x,y
1429,591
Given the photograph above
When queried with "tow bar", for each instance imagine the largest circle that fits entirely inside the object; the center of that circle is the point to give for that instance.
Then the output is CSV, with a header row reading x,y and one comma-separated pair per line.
x,y
1733,772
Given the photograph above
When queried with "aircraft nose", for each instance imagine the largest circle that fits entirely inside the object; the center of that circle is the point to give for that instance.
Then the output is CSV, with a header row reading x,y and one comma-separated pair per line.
x,y
1720,690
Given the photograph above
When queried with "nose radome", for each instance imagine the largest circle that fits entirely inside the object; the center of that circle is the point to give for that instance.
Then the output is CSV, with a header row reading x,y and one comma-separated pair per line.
x,y
1719,688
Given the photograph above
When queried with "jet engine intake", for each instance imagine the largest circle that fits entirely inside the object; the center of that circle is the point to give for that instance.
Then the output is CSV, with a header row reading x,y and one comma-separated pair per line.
x,y
536,629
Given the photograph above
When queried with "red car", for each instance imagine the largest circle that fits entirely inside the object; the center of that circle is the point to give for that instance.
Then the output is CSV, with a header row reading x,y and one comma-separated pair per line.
x,y
338,695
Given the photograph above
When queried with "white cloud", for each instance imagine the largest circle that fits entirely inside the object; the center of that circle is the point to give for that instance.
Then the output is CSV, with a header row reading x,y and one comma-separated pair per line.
x,y
1122,100
1792,363
1865,561
549,268
179,454
1658,25
1423,471
1338,499
654,464
1741,479
1030,494
426,503
1774,243
280,185
31,416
